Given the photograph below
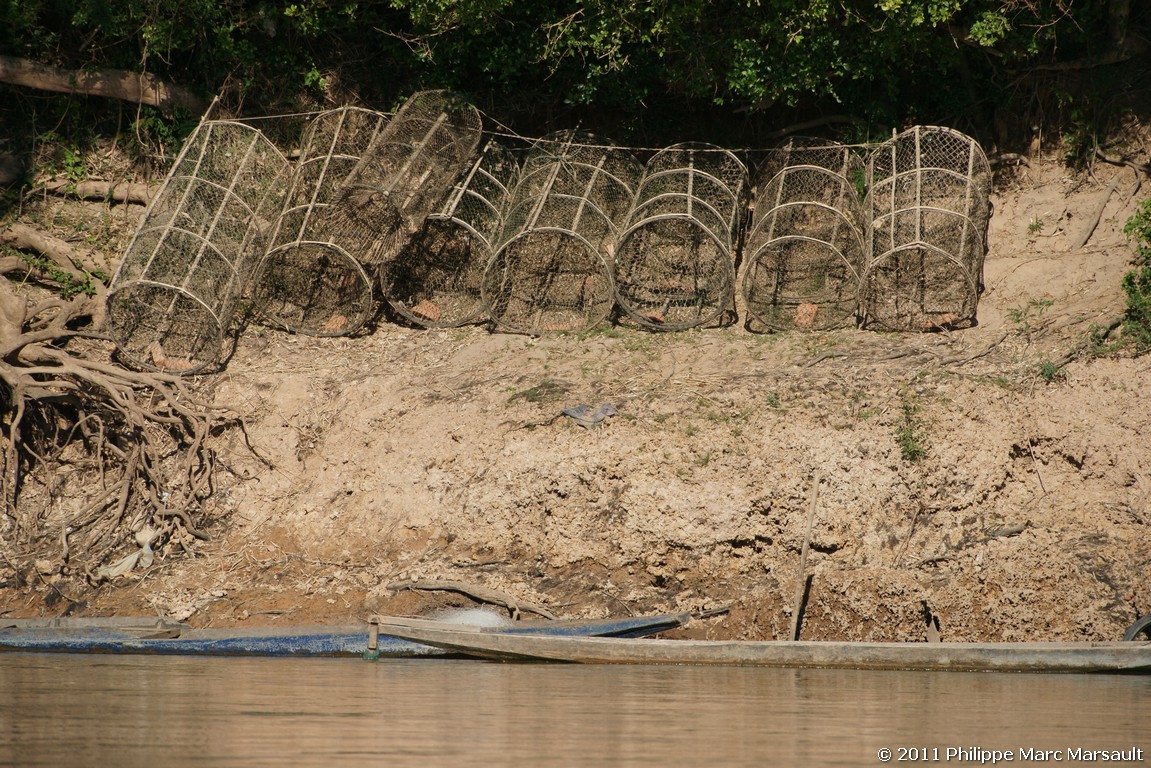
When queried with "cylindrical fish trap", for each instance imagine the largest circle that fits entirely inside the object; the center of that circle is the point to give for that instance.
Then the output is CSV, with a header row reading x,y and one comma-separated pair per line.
x,y
675,261
553,271
426,147
310,280
805,252
394,183
929,204
435,280
173,297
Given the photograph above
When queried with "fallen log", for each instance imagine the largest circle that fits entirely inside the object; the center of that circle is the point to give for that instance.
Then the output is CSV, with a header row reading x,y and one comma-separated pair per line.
x,y
124,192
136,87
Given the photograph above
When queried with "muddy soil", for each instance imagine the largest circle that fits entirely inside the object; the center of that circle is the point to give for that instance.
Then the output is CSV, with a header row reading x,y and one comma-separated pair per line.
x,y
997,478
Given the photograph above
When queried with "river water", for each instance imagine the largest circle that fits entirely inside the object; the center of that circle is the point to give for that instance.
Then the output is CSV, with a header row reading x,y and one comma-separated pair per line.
x,y
165,712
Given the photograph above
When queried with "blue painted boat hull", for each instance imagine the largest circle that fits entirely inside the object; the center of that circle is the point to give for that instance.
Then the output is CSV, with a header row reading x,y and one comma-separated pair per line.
x,y
155,637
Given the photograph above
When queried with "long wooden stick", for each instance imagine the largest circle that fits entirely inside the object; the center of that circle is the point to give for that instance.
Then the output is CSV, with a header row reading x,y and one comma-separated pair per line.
x,y
801,579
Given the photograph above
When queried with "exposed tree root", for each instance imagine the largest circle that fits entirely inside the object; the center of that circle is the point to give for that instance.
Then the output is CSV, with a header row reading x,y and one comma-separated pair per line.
x,y
71,422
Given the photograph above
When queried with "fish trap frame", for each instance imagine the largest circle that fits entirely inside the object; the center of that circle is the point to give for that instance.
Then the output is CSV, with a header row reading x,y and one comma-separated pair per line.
x,y
435,281
929,207
310,280
805,253
174,296
409,167
374,182
553,269
675,261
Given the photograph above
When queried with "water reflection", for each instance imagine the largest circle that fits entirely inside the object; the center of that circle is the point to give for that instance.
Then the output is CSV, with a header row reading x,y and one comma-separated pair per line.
x,y
136,711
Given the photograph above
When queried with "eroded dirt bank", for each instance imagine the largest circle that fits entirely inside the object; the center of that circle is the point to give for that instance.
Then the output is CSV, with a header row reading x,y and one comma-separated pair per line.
x,y
444,454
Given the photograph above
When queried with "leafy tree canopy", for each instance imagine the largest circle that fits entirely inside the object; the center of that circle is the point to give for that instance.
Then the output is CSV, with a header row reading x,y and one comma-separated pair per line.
x,y
865,55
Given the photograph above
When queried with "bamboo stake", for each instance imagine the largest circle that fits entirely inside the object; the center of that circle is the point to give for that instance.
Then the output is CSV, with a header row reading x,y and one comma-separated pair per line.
x,y
801,580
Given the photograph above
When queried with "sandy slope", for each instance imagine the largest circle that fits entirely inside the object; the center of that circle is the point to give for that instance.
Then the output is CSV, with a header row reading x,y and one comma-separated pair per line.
x,y
444,454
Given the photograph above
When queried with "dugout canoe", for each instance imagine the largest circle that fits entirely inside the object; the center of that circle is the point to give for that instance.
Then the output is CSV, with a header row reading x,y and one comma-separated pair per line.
x,y
1086,657
127,635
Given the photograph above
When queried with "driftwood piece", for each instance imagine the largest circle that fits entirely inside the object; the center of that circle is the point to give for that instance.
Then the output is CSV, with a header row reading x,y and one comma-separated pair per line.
x,y
964,359
62,256
1008,158
476,592
1130,49
136,87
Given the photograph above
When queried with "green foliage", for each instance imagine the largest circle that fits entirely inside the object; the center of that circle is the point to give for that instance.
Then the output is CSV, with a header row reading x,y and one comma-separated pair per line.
x,y
875,57
1137,283
991,28
1049,371
910,433
74,166
1079,138
1137,321
1033,309
1138,228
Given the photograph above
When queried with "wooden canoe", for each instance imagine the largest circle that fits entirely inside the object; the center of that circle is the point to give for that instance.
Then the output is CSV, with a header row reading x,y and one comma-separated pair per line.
x,y
128,635
1109,657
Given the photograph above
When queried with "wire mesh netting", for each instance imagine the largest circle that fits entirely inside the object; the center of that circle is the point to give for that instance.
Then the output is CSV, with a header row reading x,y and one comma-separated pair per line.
x,y
553,271
435,280
675,262
928,205
413,162
805,252
174,296
311,280
364,186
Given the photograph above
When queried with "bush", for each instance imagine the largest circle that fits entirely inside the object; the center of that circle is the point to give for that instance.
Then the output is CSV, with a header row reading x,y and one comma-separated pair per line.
x,y
1137,283
1137,322
1138,228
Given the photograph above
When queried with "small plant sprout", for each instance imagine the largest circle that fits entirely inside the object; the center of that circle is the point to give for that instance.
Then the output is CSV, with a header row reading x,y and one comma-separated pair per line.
x,y
1049,371
909,432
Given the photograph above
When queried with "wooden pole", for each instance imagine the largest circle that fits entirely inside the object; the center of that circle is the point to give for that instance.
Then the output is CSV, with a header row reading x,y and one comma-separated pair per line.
x,y
801,579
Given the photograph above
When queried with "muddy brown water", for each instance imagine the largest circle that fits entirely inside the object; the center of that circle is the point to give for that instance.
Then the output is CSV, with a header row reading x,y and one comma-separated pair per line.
x,y
91,710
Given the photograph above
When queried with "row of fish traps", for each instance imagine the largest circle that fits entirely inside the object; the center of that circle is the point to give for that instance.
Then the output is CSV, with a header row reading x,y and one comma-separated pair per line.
x,y
907,256
450,235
